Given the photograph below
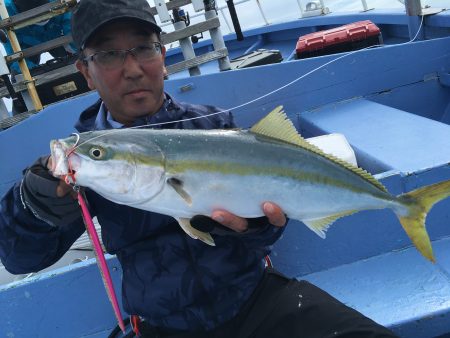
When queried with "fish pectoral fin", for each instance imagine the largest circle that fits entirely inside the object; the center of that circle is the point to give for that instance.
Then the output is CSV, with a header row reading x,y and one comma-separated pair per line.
x,y
205,237
321,225
177,185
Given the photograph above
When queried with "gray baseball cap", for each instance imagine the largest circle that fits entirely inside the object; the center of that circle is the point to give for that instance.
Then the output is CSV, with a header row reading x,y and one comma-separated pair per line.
x,y
90,15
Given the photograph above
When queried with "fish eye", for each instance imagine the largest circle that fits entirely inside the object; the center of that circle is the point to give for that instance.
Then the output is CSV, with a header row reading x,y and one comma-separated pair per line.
x,y
96,153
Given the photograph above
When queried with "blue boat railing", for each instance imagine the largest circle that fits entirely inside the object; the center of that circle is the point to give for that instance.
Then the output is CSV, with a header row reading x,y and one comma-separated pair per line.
x,y
256,13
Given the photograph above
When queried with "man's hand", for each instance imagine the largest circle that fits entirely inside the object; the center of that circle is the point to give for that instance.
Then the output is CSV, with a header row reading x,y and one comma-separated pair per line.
x,y
63,188
47,197
272,211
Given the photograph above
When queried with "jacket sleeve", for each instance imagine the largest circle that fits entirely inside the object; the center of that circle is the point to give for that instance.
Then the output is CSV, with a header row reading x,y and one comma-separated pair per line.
x,y
260,234
28,244
266,236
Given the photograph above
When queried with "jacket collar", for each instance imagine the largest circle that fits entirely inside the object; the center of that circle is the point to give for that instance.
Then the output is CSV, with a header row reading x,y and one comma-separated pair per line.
x,y
95,117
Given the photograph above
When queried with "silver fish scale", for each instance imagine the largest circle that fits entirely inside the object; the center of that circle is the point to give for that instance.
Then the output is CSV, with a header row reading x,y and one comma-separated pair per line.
x,y
237,170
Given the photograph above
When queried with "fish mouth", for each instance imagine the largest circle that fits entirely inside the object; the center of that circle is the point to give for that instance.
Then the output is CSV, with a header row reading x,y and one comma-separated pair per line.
x,y
74,162
63,160
59,162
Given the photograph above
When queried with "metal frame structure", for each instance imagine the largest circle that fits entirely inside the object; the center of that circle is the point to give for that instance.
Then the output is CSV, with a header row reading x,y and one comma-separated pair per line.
x,y
44,12
25,19
162,8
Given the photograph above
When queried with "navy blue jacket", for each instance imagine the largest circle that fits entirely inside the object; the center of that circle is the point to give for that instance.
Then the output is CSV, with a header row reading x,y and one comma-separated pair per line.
x,y
170,279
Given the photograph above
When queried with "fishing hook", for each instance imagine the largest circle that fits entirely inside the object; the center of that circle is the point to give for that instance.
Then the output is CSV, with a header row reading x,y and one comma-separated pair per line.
x,y
70,177
75,145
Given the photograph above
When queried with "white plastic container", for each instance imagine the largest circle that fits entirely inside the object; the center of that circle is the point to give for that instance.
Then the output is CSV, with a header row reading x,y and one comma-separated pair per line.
x,y
335,144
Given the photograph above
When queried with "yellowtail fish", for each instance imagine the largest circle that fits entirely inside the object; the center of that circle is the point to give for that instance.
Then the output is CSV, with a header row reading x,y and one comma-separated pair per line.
x,y
183,173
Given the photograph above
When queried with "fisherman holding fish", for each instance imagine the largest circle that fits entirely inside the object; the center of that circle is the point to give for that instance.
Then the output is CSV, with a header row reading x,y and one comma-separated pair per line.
x,y
177,286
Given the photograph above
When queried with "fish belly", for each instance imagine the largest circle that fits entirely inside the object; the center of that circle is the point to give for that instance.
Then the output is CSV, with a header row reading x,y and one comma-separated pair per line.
x,y
238,172
244,196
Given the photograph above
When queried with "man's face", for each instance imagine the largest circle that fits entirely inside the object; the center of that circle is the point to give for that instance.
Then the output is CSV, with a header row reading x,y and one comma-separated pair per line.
x,y
133,89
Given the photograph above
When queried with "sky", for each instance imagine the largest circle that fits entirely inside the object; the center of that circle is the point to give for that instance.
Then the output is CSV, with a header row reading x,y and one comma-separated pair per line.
x,y
281,10
274,11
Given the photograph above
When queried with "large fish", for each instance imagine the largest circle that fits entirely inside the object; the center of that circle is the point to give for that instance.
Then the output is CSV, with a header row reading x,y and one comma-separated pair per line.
x,y
183,173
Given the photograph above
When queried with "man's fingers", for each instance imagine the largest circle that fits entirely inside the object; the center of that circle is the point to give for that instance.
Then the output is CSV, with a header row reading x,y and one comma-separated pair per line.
x,y
229,220
274,213
63,189
49,163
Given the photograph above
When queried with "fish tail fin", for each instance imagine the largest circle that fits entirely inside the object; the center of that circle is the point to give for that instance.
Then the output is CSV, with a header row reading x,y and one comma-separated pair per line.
x,y
418,203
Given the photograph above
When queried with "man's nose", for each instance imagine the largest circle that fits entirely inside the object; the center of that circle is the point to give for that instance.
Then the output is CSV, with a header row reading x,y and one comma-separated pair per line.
x,y
131,66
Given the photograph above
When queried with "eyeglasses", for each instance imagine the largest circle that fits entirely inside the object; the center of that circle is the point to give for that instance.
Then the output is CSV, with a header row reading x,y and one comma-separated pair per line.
x,y
112,59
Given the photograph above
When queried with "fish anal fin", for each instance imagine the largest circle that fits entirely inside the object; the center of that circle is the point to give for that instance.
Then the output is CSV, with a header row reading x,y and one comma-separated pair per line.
x,y
177,185
321,225
205,237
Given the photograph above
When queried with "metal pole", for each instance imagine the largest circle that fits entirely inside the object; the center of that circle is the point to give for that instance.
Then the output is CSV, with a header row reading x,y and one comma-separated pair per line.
x,y
300,7
41,13
262,12
22,63
413,7
414,11
186,48
221,8
235,20
216,35
364,3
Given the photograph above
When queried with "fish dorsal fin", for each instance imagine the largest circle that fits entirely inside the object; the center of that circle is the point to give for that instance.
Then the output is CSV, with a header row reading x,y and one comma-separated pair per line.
x,y
321,225
278,126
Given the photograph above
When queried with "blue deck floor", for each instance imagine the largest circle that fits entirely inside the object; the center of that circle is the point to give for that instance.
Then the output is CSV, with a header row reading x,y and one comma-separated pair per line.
x,y
397,289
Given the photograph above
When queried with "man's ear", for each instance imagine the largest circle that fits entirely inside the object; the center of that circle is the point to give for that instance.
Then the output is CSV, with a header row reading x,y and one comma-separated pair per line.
x,y
83,69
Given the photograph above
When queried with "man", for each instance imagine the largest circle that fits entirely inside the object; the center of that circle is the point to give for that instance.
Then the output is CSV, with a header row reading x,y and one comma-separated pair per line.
x,y
180,287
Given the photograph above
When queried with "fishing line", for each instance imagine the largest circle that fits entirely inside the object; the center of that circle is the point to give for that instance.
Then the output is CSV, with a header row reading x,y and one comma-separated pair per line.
x,y
269,93
286,85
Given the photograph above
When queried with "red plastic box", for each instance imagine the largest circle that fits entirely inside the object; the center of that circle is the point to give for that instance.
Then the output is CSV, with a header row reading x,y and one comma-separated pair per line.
x,y
344,38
